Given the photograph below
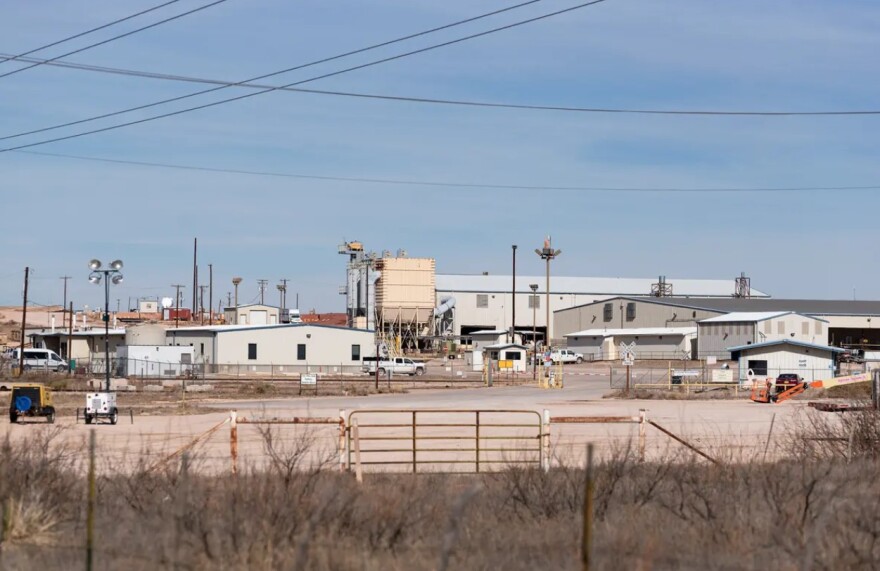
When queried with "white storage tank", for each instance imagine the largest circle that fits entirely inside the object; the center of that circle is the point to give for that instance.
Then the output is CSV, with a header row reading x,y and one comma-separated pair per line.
x,y
146,334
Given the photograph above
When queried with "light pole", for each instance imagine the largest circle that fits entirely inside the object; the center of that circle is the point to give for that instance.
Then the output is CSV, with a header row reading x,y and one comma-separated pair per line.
x,y
235,282
534,288
547,253
513,299
111,274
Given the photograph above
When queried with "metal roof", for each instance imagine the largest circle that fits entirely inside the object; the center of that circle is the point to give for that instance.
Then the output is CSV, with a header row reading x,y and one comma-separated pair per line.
x,y
584,285
808,307
87,333
489,332
635,331
746,316
786,342
505,346
231,328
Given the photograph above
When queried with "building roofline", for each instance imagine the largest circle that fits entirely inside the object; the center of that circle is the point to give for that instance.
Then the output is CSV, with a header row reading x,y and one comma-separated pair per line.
x,y
785,342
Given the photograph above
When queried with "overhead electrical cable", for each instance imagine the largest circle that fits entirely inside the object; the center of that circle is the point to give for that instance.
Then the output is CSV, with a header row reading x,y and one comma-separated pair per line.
x,y
87,32
452,184
326,75
425,100
225,85
114,38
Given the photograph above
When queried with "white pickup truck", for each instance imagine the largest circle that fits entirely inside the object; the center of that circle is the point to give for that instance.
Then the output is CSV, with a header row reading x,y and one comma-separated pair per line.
x,y
566,356
397,366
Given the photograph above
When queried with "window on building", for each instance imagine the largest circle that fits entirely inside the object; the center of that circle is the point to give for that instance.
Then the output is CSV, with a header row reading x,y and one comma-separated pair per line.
x,y
252,351
818,328
514,356
768,327
355,352
482,300
202,349
301,352
780,327
630,311
758,367
534,302
805,328
608,312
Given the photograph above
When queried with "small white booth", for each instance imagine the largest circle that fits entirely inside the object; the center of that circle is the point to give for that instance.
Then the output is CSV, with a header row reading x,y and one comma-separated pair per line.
x,y
507,356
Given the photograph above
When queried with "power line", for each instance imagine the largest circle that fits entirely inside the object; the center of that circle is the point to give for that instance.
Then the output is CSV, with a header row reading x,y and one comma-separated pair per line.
x,y
411,99
224,85
453,184
114,38
87,32
326,75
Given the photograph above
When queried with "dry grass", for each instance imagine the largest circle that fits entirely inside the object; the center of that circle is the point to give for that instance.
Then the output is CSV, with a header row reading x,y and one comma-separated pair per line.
x,y
809,511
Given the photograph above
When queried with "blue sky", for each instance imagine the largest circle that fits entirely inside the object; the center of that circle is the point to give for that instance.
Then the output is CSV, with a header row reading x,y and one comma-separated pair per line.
x,y
679,54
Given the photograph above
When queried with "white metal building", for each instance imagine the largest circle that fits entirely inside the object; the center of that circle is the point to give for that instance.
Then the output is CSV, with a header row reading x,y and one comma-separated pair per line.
x,y
716,334
651,342
154,361
297,346
773,358
510,353
484,301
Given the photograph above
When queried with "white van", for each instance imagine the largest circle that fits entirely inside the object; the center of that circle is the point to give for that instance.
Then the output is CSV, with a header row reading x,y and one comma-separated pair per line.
x,y
36,359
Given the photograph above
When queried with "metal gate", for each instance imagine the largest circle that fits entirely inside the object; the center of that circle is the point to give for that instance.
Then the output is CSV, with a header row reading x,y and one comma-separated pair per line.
x,y
462,441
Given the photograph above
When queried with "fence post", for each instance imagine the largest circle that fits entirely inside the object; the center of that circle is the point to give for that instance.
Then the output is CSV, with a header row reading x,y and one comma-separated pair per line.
x,y
342,448
586,538
233,441
875,390
90,507
478,442
545,440
358,469
642,433
414,469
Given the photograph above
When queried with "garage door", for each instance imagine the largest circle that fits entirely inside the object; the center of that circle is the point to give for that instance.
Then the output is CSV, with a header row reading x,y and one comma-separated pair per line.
x,y
259,317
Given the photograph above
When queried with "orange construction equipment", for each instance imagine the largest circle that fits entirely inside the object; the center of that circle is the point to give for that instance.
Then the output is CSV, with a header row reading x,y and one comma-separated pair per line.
x,y
763,392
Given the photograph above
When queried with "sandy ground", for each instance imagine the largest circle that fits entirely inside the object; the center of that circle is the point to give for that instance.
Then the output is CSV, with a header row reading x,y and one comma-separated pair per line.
x,y
725,428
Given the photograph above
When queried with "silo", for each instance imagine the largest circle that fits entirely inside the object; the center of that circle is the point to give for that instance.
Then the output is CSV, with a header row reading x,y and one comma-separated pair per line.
x,y
150,334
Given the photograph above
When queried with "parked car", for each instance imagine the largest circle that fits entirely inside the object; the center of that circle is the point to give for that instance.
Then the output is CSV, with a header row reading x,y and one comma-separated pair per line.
x,y
786,381
37,359
566,356
397,366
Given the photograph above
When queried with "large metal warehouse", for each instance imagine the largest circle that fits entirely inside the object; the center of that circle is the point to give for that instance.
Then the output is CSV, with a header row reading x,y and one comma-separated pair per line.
x,y
485,301
849,323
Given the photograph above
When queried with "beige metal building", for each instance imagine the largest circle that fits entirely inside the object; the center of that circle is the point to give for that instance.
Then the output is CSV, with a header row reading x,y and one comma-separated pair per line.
x,y
252,314
717,334
629,313
298,346
650,342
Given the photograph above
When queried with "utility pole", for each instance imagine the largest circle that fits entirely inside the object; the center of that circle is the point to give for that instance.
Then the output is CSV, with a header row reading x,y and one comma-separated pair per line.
x,y
195,273
210,294
177,303
228,299
284,294
202,289
534,299
235,282
69,338
65,278
513,299
27,272
263,284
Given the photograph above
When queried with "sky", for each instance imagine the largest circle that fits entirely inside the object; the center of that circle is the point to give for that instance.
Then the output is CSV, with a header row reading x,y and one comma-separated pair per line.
x,y
675,55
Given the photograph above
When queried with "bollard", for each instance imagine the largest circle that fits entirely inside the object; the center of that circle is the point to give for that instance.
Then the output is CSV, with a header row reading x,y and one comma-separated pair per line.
x,y
233,441
643,415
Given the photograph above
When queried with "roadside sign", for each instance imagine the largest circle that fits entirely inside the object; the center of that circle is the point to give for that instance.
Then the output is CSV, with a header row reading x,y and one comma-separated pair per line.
x,y
628,354
308,380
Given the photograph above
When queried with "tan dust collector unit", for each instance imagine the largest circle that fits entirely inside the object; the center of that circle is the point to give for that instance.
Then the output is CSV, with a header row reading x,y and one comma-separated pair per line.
x,y
405,296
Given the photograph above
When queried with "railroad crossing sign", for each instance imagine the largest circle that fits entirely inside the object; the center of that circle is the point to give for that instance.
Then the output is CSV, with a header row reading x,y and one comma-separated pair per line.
x,y
628,354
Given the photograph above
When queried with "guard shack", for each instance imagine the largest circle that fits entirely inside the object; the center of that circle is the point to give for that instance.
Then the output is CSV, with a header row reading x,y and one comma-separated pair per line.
x,y
509,357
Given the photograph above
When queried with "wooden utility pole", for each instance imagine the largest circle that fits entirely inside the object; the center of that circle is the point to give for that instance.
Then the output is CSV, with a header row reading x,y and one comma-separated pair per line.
x,y
202,289
69,338
27,272
210,294
195,274
65,278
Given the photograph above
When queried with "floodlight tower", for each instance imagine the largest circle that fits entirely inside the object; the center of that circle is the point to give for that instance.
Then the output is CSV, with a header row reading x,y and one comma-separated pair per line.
x,y
102,404
547,253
